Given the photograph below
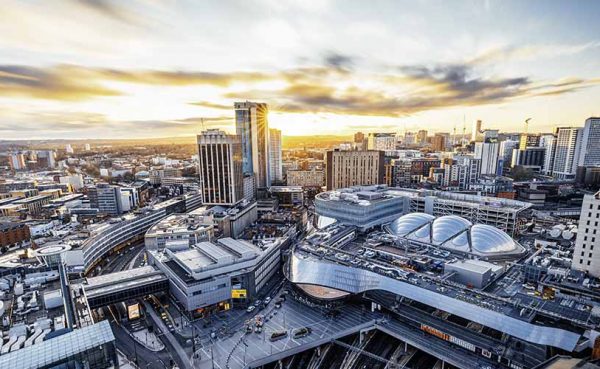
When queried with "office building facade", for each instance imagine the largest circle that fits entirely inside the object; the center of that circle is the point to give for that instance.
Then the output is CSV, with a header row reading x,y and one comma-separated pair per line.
x,y
488,153
590,143
354,168
17,161
275,160
532,158
422,137
438,143
381,141
252,126
220,168
306,178
108,199
565,152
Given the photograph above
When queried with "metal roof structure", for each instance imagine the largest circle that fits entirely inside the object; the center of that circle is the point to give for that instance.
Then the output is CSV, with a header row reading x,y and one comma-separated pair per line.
x,y
455,234
313,271
60,348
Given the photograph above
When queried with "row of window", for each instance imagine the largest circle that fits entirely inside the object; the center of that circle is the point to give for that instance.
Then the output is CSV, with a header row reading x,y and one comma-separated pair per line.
x,y
210,289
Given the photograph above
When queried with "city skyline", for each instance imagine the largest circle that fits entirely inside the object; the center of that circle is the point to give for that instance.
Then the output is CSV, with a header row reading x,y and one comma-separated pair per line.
x,y
101,69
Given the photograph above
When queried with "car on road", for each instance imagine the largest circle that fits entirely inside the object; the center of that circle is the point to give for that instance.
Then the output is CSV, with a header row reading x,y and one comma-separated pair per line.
x,y
278,335
301,332
267,300
250,309
257,303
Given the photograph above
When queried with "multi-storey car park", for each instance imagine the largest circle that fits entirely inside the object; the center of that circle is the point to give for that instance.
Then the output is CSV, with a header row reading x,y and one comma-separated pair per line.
x,y
371,206
490,298
131,227
186,229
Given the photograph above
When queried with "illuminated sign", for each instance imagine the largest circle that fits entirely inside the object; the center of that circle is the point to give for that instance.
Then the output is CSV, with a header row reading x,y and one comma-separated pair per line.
x,y
446,337
133,311
238,294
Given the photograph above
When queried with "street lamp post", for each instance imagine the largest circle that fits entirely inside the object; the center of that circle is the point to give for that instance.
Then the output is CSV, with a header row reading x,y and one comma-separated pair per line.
x,y
134,349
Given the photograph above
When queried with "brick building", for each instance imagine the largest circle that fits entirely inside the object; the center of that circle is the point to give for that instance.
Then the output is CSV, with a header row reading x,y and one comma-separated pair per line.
x,y
11,233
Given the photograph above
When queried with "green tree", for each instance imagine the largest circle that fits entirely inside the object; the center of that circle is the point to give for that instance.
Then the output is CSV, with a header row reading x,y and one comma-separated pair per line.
x,y
520,173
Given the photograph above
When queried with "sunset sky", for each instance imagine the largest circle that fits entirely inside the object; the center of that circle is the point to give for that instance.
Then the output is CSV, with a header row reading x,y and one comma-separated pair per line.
x,y
134,69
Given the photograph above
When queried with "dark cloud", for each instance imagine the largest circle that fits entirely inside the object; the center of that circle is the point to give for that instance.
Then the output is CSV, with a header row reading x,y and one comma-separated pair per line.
x,y
426,88
180,78
72,83
48,84
398,92
81,123
338,61
212,105
457,81
114,10
105,7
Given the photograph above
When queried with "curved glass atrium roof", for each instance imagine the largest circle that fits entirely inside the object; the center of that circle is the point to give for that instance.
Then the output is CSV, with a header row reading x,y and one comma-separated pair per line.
x,y
455,233
409,223
446,227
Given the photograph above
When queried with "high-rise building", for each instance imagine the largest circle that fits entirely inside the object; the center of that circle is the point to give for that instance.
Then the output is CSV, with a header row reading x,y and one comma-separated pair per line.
x,y
476,131
565,153
360,143
548,142
69,149
220,168
586,256
105,198
382,141
490,135
252,126
460,172
46,158
531,157
590,143
409,138
17,161
129,198
438,142
354,168
527,140
87,147
506,152
249,191
422,137
488,153
401,172
275,161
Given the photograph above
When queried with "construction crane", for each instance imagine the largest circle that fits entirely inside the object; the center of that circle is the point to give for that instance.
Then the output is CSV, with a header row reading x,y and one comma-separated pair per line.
x,y
527,125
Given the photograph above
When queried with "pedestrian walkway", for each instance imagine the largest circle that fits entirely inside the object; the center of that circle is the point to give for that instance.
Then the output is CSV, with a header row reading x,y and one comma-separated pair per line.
x,y
148,339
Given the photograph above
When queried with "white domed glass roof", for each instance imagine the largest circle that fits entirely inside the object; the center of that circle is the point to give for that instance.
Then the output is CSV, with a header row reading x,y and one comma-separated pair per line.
x,y
454,233
446,227
487,239
409,223
423,234
460,242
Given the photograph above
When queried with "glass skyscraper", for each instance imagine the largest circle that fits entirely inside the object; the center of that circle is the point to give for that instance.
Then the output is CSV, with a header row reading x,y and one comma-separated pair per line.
x,y
252,126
